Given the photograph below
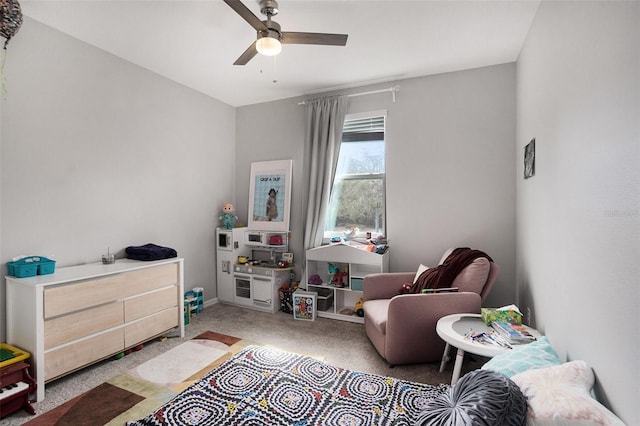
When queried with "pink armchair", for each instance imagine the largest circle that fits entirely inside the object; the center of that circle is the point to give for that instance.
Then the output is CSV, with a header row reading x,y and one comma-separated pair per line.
x,y
402,327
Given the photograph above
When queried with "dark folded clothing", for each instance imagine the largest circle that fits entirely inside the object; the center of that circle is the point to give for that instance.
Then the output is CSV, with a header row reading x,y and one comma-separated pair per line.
x,y
150,252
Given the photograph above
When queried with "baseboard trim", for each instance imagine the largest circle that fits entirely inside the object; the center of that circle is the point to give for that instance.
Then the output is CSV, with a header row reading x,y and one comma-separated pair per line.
x,y
210,302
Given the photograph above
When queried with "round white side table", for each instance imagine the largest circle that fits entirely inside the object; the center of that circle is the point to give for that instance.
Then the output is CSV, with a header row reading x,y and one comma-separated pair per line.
x,y
453,328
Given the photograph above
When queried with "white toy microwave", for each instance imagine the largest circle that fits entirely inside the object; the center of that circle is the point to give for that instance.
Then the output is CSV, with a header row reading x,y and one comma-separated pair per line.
x,y
256,238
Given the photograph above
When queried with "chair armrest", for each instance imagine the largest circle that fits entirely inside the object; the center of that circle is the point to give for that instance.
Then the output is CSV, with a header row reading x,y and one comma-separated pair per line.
x,y
385,285
424,310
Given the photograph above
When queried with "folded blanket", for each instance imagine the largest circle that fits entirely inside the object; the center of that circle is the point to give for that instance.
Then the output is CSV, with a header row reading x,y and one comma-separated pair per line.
x,y
444,274
150,252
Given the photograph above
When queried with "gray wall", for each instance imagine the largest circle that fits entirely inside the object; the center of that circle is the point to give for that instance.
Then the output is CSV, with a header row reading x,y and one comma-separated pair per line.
x,y
98,152
578,217
450,150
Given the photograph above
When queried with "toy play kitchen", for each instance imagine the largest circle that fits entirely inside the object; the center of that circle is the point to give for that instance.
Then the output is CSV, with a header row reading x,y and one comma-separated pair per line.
x,y
250,267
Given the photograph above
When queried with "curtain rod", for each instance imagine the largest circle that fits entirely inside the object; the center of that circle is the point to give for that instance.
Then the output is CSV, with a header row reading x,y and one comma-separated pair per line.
x,y
393,91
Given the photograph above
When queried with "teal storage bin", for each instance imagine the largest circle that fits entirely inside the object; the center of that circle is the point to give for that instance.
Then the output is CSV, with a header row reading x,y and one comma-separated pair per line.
x,y
31,266
356,284
46,266
23,268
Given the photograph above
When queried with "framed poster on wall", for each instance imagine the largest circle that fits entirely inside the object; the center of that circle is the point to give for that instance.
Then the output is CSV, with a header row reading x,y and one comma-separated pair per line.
x,y
530,159
270,195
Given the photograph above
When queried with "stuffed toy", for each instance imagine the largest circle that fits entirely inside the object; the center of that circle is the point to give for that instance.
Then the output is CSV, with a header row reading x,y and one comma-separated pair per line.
x,y
228,216
350,233
337,280
406,288
332,269
315,279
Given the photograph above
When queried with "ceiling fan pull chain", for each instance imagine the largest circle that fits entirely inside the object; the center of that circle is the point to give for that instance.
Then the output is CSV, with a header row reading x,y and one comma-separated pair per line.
x,y
275,70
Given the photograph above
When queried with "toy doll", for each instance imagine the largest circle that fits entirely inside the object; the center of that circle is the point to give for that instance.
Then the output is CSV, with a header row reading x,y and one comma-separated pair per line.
x,y
228,217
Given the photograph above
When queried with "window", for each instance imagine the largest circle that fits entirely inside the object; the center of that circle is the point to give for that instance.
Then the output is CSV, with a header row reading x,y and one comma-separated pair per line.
x,y
358,192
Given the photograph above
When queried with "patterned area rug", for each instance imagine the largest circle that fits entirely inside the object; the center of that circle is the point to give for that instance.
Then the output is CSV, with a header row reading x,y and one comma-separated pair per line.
x,y
142,390
266,386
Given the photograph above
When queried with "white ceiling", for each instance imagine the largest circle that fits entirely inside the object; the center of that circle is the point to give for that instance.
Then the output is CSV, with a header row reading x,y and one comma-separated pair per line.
x,y
196,42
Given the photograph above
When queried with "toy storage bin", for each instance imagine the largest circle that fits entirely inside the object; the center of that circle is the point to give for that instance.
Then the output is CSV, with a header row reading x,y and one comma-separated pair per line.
x,y
357,283
325,298
46,266
22,269
31,266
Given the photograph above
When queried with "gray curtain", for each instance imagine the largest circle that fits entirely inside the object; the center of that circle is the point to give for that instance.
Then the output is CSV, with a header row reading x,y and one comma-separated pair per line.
x,y
324,119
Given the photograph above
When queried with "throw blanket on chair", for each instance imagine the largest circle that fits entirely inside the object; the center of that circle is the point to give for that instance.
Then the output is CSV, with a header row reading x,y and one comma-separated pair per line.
x,y
443,275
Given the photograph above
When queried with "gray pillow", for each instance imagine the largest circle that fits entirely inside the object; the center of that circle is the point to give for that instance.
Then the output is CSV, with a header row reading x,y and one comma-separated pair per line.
x,y
481,397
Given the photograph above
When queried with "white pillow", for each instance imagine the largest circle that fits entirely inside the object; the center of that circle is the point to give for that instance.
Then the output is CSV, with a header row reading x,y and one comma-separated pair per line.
x,y
561,395
421,269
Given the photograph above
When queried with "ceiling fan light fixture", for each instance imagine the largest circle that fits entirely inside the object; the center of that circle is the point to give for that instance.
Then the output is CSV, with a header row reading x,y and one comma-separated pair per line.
x,y
268,46
269,34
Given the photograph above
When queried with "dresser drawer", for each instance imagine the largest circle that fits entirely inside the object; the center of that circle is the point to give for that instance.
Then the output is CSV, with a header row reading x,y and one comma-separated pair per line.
x,y
149,327
69,358
81,295
83,323
148,279
149,303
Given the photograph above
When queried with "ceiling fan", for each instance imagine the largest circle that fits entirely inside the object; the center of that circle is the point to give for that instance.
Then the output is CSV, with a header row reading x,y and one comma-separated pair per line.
x,y
270,37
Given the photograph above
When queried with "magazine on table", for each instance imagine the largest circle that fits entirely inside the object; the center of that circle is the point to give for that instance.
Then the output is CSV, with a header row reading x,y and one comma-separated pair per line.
x,y
489,338
512,333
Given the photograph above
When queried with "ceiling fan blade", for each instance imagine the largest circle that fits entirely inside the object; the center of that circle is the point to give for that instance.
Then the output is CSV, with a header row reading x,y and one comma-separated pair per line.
x,y
314,38
247,55
246,14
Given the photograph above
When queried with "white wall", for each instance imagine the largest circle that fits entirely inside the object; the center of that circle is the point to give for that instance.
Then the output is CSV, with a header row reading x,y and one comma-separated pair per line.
x,y
578,217
450,150
98,152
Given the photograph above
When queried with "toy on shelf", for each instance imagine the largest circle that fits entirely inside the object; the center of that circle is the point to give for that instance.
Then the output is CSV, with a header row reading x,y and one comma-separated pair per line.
x,y
228,216
195,300
350,233
315,279
332,270
336,277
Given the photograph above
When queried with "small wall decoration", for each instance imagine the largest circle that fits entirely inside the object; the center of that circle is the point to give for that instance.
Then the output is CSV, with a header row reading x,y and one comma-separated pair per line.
x,y
10,19
270,195
10,23
530,159
304,305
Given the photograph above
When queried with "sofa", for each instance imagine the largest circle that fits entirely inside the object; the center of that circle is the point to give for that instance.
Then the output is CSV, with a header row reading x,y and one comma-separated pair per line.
x,y
402,327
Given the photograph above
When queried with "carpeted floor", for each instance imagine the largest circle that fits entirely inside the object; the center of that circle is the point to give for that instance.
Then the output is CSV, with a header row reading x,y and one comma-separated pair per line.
x,y
139,391
340,343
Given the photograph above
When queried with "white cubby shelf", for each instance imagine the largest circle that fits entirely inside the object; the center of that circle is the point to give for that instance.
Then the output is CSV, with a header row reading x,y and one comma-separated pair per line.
x,y
356,262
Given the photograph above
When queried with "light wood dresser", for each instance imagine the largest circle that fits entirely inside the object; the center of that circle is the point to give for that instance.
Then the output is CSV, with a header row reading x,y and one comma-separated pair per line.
x,y
83,314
